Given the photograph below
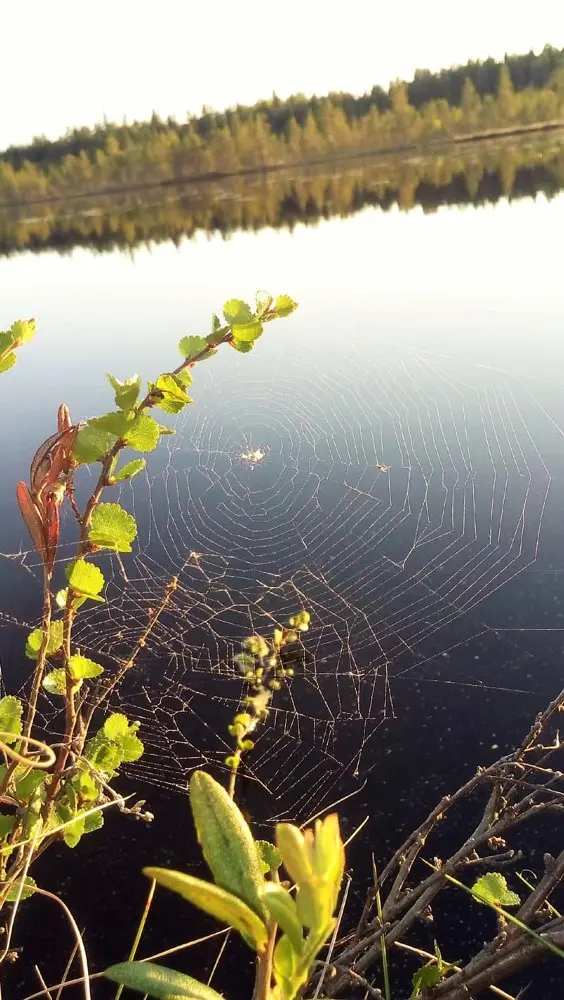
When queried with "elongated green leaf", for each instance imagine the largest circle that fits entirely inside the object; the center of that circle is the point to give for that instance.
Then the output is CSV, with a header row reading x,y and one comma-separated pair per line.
x,y
92,443
143,433
226,840
81,667
85,578
217,902
282,909
11,710
492,888
157,981
189,347
285,963
129,470
237,311
34,640
126,392
112,527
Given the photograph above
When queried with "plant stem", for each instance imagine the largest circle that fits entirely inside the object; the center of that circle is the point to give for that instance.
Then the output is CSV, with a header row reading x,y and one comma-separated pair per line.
x,y
42,657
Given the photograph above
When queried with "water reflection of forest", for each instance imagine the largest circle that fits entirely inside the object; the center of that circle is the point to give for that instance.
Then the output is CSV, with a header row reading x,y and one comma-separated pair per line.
x,y
475,174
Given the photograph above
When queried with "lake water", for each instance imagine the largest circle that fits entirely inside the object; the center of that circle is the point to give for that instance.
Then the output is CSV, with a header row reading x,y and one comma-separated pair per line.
x,y
410,420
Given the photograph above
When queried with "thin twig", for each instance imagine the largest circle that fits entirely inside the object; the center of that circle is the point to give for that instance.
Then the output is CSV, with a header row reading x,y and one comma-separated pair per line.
x,y
139,932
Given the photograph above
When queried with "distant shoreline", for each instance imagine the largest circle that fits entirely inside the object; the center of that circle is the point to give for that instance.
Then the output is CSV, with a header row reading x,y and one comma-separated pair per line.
x,y
434,146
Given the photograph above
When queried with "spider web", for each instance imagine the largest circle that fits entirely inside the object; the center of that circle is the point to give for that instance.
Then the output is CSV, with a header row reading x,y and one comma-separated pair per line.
x,y
393,501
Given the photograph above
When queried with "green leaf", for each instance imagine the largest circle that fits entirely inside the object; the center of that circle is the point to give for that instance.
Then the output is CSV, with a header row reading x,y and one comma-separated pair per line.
x,y
189,347
92,443
35,638
237,311
282,909
226,840
284,305
492,888
270,856
11,710
129,470
85,578
184,377
157,981
217,902
247,332
112,527
7,362
80,667
56,681
27,891
216,325
116,726
22,331
28,783
174,398
6,825
126,392
242,346
116,422
285,962
428,975
93,822
143,433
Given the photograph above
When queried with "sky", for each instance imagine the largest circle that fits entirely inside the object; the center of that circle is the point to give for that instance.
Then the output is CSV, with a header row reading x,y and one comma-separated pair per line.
x,y
67,63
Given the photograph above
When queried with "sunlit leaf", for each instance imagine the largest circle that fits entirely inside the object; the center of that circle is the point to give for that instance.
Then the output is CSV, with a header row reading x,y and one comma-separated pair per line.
x,y
247,332
492,888
126,392
7,362
112,527
243,346
81,668
212,899
428,975
264,302
157,981
116,726
284,305
55,682
143,433
22,331
35,638
11,710
116,422
92,443
27,783
86,578
270,856
282,909
27,891
216,325
129,470
189,347
226,840
174,398
237,311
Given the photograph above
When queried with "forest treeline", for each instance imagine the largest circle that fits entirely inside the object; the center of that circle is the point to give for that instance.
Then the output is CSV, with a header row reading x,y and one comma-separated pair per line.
x,y
476,174
434,107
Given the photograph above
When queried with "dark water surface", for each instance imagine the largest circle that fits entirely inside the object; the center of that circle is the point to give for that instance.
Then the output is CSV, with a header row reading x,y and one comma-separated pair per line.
x,y
430,344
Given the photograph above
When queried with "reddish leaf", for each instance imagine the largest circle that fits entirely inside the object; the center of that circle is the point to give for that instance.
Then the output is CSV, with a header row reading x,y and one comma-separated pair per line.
x,y
64,422
52,516
32,517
